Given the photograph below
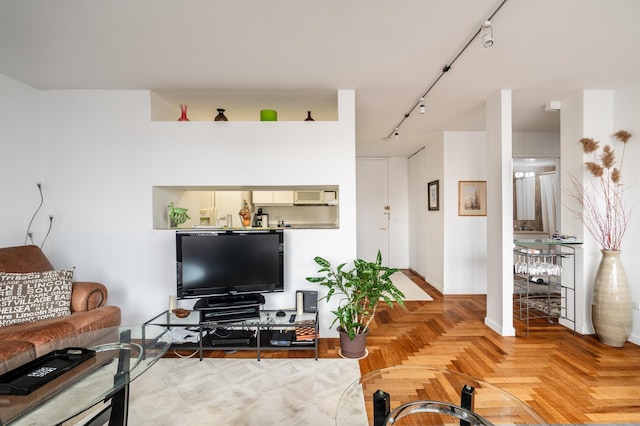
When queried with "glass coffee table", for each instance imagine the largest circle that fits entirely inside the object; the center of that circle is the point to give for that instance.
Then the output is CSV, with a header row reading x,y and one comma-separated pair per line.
x,y
121,355
415,395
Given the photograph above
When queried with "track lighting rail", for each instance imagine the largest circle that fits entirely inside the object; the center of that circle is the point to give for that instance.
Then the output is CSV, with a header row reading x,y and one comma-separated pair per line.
x,y
420,102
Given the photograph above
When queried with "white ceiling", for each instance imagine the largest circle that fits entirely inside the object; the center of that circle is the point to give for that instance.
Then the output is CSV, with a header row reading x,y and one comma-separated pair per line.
x,y
388,51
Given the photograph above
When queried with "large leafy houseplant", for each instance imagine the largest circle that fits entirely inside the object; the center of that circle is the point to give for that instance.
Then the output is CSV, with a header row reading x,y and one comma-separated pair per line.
x,y
360,290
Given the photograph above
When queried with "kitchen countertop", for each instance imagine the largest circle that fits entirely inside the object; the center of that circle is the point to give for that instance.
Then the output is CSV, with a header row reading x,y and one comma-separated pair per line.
x,y
287,226
311,226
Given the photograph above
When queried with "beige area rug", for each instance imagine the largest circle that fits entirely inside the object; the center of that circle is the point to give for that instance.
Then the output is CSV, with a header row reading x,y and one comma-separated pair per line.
x,y
223,391
410,289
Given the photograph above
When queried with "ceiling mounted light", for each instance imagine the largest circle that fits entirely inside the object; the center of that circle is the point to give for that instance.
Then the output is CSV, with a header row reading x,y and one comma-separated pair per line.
x,y
395,135
422,108
487,35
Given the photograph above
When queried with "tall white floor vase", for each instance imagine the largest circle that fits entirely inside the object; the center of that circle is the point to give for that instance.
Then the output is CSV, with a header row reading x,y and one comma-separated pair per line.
x,y
611,307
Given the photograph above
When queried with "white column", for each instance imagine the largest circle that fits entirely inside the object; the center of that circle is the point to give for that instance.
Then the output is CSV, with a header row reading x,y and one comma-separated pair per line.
x,y
499,215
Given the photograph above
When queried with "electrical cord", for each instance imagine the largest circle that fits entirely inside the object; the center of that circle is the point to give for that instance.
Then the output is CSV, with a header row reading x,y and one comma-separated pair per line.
x,y
48,231
175,352
29,235
217,334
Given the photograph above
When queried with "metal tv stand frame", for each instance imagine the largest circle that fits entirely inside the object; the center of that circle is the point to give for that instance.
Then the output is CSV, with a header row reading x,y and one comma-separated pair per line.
x,y
263,326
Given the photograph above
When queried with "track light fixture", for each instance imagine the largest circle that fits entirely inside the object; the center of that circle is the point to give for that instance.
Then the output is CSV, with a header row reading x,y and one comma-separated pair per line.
x,y
487,41
487,35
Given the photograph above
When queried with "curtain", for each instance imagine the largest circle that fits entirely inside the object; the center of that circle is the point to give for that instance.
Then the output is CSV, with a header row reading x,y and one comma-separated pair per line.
x,y
526,198
548,202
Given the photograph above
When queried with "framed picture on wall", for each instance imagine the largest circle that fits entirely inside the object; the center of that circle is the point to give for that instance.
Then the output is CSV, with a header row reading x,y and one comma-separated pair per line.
x,y
433,192
472,198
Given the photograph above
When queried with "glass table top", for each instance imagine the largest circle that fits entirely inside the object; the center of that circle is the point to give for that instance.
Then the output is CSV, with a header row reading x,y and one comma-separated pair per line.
x,y
419,395
267,317
122,354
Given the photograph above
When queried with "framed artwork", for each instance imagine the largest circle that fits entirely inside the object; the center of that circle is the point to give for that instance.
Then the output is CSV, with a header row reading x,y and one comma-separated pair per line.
x,y
433,192
472,198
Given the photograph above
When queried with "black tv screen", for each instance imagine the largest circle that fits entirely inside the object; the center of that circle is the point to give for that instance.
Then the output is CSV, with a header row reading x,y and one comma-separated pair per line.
x,y
224,263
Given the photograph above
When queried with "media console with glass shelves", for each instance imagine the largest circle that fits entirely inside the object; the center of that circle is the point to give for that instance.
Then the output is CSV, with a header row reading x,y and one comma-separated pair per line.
x,y
227,273
244,327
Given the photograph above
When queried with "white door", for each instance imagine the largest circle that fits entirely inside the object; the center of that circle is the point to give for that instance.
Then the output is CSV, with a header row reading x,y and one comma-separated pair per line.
x,y
372,211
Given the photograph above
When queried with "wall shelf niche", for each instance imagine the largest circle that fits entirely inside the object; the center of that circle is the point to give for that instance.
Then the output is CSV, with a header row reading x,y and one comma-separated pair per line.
x,y
245,105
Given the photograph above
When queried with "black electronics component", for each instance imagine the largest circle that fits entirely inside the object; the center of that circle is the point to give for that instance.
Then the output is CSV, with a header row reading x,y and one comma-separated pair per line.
x,y
292,318
229,314
222,263
381,407
34,374
280,314
222,337
310,300
281,338
229,342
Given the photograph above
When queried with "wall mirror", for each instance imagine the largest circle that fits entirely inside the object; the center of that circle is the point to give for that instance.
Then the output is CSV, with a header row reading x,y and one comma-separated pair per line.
x,y
536,196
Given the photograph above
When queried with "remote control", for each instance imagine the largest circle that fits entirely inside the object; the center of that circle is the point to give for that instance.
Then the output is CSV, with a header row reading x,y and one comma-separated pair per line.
x,y
292,318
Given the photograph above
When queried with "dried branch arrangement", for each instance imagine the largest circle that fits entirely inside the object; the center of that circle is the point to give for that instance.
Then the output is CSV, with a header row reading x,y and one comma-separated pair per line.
x,y
603,210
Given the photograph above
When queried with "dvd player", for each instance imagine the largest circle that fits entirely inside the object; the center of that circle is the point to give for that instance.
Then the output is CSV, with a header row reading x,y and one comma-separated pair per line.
x,y
230,315
230,337
225,342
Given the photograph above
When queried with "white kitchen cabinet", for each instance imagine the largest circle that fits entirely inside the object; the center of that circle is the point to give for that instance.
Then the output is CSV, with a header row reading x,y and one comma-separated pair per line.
x,y
283,197
272,198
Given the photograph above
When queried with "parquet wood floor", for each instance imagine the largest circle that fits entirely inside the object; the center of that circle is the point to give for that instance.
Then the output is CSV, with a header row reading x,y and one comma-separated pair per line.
x,y
565,377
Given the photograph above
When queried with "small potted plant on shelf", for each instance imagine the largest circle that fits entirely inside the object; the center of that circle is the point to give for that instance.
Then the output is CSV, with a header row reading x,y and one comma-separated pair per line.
x,y
177,216
360,290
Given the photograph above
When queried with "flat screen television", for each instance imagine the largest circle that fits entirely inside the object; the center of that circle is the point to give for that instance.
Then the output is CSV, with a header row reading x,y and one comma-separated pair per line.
x,y
212,264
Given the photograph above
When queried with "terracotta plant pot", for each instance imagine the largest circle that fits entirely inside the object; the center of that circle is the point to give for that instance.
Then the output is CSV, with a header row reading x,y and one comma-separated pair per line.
x,y
356,348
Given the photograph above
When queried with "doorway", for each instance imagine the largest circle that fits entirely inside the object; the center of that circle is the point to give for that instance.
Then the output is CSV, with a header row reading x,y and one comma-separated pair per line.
x,y
372,213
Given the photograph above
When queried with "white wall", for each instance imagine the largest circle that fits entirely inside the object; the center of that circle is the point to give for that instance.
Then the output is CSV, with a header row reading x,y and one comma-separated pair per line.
x,y
450,157
417,202
19,163
102,155
536,144
626,113
465,243
430,164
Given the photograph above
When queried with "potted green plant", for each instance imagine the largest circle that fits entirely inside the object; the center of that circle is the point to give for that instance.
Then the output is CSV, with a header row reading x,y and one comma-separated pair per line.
x,y
360,290
177,216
